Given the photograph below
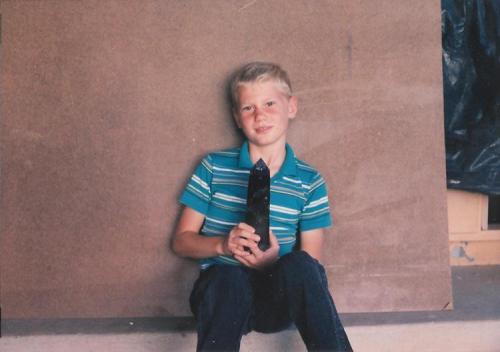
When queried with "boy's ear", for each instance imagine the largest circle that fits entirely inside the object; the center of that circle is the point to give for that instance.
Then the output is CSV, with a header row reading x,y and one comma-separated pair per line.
x,y
292,107
236,117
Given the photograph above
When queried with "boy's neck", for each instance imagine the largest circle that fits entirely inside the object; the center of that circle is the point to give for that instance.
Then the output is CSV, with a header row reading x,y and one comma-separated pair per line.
x,y
273,156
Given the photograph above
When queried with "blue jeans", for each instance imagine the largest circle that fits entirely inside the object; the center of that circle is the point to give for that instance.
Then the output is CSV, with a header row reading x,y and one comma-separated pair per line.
x,y
230,301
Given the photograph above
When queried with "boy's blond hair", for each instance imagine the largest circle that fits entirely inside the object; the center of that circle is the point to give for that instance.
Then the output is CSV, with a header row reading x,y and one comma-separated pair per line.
x,y
255,72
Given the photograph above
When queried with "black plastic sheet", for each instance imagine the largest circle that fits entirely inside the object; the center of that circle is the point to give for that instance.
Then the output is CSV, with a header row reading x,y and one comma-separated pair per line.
x,y
471,79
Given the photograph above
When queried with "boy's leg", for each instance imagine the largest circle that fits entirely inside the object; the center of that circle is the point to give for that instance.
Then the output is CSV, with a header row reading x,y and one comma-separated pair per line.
x,y
300,283
221,301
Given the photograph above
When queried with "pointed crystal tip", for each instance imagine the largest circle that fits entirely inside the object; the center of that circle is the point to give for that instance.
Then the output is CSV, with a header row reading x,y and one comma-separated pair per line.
x,y
260,165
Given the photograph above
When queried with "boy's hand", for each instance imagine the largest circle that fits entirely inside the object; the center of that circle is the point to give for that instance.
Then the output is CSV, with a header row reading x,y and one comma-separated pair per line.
x,y
241,236
258,259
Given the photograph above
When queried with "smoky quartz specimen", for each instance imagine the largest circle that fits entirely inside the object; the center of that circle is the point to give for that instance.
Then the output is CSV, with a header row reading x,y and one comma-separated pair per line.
x,y
258,198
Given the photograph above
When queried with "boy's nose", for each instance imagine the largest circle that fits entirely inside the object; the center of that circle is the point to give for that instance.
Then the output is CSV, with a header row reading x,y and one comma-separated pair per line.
x,y
259,113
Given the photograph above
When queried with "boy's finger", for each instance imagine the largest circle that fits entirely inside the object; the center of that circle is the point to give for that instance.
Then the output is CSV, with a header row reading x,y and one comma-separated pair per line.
x,y
273,240
251,236
256,251
246,227
272,236
243,242
241,253
242,260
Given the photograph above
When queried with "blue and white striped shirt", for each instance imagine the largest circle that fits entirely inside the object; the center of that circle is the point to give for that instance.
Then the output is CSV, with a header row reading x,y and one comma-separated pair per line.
x,y
218,190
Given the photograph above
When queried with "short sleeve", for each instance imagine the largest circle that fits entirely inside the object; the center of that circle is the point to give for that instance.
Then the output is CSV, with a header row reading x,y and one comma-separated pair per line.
x,y
316,211
197,194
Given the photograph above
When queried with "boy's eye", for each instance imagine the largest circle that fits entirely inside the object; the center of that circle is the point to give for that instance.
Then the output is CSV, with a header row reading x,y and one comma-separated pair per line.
x,y
246,108
270,103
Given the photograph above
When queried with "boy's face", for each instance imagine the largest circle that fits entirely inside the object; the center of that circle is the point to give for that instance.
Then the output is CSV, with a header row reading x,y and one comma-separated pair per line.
x,y
264,113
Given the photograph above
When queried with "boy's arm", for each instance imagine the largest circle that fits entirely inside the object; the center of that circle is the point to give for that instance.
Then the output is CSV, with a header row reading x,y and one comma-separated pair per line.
x,y
187,241
312,242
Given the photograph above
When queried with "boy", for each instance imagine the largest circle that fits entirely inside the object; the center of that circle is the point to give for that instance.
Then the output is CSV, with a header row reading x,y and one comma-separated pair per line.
x,y
242,288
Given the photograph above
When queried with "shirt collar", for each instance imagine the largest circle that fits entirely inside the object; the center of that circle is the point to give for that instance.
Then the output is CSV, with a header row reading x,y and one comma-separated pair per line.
x,y
289,166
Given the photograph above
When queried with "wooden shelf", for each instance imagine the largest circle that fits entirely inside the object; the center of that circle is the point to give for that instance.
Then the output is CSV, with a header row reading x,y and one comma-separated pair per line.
x,y
480,236
472,240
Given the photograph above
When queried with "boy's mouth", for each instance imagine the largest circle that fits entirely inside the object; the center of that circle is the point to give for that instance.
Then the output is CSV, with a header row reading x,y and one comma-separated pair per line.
x,y
263,129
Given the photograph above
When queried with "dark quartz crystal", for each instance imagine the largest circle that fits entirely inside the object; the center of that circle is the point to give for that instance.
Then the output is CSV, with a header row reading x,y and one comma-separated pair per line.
x,y
258,198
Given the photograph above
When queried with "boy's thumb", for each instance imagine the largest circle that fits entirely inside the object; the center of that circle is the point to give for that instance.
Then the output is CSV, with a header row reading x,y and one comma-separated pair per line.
x,y
272,239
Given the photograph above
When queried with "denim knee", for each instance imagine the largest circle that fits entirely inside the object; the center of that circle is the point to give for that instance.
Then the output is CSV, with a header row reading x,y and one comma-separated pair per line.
x,y
225,284
298,259
229,277
221,302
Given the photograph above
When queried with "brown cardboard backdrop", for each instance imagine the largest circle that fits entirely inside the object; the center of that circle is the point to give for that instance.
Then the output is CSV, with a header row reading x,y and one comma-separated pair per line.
x,y
108,105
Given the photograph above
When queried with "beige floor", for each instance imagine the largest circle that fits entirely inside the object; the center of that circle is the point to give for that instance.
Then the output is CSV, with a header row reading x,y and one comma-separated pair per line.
x,y
480,336
474,326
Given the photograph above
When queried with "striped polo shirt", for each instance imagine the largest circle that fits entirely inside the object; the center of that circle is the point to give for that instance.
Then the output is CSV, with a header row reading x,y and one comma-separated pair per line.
x,y
218,190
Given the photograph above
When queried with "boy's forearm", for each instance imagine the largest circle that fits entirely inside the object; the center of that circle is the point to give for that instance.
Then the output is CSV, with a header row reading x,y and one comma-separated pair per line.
x,y
193,245
313,242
